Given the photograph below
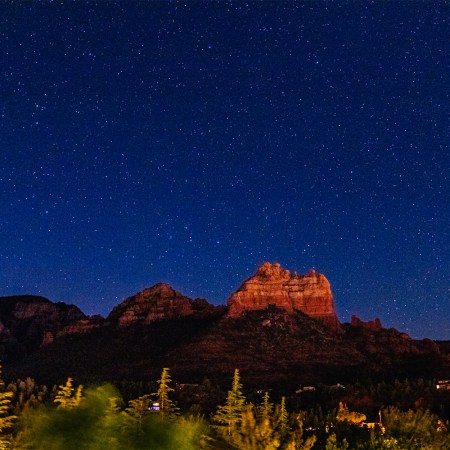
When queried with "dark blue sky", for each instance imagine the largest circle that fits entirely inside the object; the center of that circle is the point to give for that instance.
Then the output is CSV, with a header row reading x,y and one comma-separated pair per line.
x,y
190,141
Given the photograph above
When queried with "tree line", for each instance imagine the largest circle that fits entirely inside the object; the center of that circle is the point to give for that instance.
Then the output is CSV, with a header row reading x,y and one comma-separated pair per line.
x,y
97,417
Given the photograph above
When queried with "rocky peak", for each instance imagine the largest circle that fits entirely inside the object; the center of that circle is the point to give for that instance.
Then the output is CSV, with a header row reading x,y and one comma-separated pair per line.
x,y
21,307
373,325
270,271
29,320
159,302
273,285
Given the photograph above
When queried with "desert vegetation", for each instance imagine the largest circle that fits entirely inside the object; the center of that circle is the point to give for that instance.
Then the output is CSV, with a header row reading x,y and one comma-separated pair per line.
x,y
70,416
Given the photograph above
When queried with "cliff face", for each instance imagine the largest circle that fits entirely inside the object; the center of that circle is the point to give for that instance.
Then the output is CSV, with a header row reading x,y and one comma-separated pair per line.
x,y
156,303
32,306
28,321
272,285
276,340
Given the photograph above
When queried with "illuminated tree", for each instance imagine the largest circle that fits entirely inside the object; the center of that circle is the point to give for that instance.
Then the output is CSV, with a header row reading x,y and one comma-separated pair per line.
x,y
6,419
67,397
353,417
266,407
415,429
296,440
333,444
167,408
255,434
137,408
229,415
283,418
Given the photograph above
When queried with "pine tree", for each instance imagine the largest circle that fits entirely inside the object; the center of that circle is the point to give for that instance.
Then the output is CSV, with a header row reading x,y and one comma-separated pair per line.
x,y
229,415
255,434
283,418
167,408
67,397
6,420
333,444
136,409
266,407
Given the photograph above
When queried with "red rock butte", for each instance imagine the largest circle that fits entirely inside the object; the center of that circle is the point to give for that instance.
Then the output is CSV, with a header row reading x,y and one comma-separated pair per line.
x,y
272,285
159,302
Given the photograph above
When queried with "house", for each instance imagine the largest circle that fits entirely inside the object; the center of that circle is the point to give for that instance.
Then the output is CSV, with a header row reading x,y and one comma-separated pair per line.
x,y
443,385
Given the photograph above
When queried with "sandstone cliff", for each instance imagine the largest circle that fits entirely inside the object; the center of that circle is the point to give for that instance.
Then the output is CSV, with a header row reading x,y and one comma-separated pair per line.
x,y
272,285
28,321
156,303
270,344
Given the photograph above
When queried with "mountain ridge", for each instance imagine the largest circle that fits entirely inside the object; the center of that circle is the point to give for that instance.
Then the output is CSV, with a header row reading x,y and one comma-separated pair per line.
x,y
264,330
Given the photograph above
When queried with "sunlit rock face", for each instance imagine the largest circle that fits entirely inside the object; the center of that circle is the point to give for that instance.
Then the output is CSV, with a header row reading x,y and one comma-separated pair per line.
x,y
156,303
272,285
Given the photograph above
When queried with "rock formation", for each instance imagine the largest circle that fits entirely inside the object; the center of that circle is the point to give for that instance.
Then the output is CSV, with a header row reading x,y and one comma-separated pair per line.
x,y
271,343
28,321
83,325
374,325
272,285
156,303
33,307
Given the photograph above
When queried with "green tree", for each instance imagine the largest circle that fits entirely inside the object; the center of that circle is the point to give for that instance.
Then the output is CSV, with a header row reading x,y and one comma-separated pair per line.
x,y
296,440
6,419
67,397
415,430
229,415
137,408
98,424
283,418
167,408
333,444
266,407
254,433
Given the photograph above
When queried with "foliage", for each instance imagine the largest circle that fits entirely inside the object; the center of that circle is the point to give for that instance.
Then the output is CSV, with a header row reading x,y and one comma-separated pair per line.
x,y
283,418
97,423
415,429
167,408
255,434
229,415
250,427
266,407
296,440
27,394
260,432
6,419
67,397
333,444
352,417
137,408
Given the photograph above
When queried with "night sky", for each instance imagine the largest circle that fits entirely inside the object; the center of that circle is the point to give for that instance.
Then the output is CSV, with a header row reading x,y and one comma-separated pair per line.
x,y
188,142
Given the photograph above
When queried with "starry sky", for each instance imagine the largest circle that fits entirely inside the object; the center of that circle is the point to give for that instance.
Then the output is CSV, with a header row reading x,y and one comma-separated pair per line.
x,y
188,142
